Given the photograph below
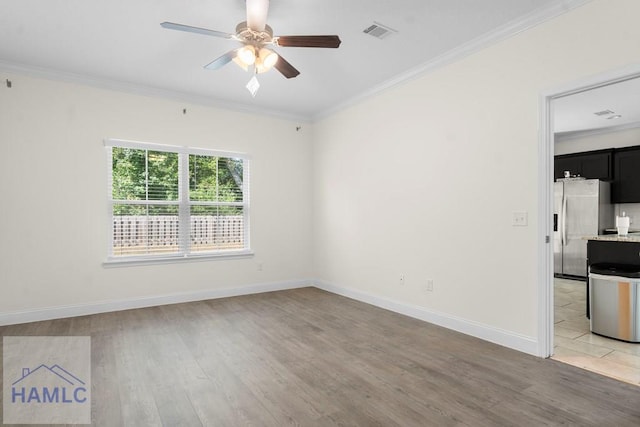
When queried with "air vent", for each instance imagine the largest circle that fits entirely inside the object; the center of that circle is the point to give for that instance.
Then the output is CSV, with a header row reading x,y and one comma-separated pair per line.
x,y
603,113
379,31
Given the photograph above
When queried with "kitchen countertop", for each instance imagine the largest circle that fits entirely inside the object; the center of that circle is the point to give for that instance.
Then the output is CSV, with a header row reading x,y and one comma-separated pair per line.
x,y
634,237
615,230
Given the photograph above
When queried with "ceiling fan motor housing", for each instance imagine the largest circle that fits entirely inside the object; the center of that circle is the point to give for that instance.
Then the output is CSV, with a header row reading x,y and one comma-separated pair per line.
x,y
256,38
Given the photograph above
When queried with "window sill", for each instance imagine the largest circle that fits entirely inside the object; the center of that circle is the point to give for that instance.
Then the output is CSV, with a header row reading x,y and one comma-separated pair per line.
x,y
136,261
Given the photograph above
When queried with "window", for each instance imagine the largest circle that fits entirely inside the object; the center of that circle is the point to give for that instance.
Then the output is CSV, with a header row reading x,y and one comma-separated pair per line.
x,y
173,202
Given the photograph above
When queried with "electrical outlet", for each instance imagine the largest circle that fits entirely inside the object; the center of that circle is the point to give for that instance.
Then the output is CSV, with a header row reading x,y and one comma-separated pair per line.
x,y
429,285
402,279
520,219
259,266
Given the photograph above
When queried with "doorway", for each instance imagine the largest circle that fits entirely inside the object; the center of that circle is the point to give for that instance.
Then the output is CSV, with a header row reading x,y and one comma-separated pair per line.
x,y
569,289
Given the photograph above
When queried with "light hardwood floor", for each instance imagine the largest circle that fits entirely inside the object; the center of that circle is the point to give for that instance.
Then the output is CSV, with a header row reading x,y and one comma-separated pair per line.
x,y
307,357
575,344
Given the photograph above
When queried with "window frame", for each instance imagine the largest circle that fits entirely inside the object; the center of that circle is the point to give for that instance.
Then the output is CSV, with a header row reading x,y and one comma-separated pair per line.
x,y
184,206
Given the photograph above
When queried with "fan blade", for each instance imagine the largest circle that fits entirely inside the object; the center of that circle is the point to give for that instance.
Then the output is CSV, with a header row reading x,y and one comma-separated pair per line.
x,y
197,30
257,11
223,60
308,41
285,68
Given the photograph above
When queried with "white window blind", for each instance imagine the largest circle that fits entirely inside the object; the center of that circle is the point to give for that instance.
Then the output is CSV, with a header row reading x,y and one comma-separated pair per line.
x,y
175,202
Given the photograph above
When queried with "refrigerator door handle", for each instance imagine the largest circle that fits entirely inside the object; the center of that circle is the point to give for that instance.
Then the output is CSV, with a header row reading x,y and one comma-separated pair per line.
x,y
564,220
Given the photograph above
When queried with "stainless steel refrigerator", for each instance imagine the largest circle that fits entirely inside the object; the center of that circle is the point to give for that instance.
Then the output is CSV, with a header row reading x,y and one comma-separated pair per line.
x,y
582,207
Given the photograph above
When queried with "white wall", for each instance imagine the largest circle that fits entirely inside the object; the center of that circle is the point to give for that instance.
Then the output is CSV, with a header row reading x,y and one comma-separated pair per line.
x,y
422,180
53,227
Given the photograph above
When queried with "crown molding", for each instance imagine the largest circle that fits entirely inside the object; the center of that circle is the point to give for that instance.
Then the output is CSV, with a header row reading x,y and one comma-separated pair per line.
x,y
142,90
467,49
566,136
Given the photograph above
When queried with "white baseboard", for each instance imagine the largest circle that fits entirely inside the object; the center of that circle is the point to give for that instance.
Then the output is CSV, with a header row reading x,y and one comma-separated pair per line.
x,y
488,333
59,312
508,339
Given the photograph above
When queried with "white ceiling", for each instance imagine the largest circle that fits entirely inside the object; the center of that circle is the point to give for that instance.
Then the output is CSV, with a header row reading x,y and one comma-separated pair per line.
x,y
120,43
575,113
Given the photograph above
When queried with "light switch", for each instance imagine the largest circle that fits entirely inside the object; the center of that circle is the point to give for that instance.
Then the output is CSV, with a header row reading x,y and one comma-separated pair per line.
x,y
520,219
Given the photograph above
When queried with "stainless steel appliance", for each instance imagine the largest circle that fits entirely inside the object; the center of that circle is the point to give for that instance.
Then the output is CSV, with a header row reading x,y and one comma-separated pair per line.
x,y
615,301
582,207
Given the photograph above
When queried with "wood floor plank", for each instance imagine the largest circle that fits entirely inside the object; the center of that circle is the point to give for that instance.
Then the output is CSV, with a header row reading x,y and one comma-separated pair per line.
x,y
103,368
307,357
134,388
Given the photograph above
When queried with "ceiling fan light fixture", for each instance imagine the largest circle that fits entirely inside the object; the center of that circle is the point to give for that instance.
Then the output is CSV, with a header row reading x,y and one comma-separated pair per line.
x,y
268,58
265,60
247,55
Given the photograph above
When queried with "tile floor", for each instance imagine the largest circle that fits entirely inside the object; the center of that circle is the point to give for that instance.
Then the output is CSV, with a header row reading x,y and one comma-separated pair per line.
x,y
576,345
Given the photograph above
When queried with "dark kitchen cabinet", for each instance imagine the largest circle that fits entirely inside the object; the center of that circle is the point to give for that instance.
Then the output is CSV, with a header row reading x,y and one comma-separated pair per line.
x,y
565,163
612,252
590,165
598,165
626,186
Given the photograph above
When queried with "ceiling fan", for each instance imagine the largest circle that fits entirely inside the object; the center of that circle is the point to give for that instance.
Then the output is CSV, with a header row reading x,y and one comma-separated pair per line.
x,y
257,41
